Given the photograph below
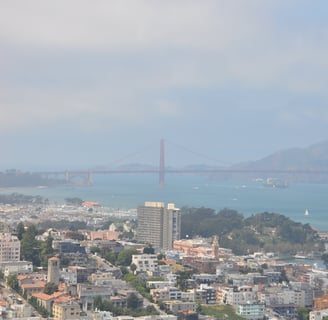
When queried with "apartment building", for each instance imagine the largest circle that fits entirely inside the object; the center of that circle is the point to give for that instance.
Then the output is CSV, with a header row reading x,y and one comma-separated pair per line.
x,y
9,247
158,225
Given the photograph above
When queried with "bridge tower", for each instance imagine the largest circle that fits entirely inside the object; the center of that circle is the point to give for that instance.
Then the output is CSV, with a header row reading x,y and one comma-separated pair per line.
x,y
161,164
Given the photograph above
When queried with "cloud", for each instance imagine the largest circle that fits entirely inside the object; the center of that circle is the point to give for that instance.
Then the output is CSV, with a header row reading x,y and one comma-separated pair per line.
x,y
126,25
106,65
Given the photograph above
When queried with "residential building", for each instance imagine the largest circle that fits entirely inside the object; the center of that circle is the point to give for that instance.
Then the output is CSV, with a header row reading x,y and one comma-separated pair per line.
x,y
145,262
251,311
16,267
65,311
158,225
318,314
87,293
237,295
9,247
176,306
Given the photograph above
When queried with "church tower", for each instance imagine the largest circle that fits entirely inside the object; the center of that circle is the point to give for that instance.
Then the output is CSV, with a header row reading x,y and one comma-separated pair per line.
x,y
53,270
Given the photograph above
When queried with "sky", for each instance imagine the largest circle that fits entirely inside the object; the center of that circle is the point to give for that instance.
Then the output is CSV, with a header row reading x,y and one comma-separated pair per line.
x,y
99,83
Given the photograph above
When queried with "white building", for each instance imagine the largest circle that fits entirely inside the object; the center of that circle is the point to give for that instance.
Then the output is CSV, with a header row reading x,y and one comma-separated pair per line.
x,y
251,311
237,296
318,314
16,267
145,262
9,247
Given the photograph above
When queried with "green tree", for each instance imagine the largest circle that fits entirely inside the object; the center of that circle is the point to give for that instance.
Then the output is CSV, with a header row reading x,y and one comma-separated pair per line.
x,y
303,313
12,282
124,258
30,247
94,249
20,229
324,258
74,201
133,267
182,279
46,251
111,257
149,249
50,288
132,301
98,303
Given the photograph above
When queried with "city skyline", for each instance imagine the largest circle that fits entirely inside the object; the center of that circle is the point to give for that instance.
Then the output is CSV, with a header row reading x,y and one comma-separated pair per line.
x,y
90,84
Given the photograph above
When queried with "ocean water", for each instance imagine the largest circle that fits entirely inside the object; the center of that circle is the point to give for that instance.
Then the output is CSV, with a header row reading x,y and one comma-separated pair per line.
x,y
247,197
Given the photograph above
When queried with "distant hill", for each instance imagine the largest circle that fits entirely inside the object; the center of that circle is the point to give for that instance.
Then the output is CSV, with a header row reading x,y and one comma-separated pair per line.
x,y
312,158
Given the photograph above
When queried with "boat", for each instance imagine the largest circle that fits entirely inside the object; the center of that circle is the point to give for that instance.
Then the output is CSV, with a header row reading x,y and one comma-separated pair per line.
x,y
300,256
275,183
306,213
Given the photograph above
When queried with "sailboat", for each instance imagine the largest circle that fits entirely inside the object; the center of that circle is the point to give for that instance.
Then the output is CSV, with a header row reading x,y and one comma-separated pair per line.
x,y
306,213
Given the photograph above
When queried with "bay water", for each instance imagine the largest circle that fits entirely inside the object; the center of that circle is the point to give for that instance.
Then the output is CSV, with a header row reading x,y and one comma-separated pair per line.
x,y
247,197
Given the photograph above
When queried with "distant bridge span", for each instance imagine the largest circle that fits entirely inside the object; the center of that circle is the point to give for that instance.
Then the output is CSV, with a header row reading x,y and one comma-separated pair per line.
x,y
86,175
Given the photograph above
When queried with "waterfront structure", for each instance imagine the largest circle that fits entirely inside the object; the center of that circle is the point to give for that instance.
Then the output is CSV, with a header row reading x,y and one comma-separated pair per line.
x,y
158,225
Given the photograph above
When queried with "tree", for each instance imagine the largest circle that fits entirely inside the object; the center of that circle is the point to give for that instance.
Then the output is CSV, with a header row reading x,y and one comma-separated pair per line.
x,y
111,257
74,201
149,249
12,282
98,303
50,288
132,301
124,258
182,279
30,247
46,250
133,267
20,229
324,258
303,313
94,250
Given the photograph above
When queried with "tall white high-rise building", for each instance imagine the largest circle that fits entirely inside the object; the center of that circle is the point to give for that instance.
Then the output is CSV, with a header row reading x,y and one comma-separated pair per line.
x,y
158,225
9,247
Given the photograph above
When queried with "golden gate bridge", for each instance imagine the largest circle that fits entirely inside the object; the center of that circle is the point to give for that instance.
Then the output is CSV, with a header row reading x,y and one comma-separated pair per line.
x,y
69,176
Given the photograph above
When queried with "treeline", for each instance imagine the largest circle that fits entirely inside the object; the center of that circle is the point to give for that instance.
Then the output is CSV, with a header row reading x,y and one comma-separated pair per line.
x,y
17,178
263,231
17,198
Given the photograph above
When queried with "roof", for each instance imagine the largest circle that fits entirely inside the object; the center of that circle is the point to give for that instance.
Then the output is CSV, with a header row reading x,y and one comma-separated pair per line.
x,y
54,259
40,285
45,297
63,299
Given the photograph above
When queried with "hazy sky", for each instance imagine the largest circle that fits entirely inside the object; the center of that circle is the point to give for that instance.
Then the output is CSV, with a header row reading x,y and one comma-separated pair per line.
x,y
85,83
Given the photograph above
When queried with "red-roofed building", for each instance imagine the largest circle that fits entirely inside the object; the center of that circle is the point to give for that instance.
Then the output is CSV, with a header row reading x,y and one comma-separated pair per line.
x,y
46,300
